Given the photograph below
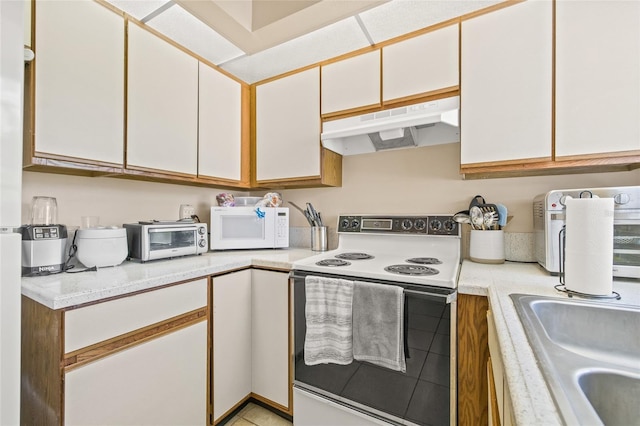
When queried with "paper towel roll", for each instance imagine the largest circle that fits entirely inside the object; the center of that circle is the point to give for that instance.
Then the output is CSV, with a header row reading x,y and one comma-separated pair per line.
x,y
589,246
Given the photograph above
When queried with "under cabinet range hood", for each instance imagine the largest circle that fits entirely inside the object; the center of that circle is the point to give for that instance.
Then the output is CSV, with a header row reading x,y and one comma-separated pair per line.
x,y
429,123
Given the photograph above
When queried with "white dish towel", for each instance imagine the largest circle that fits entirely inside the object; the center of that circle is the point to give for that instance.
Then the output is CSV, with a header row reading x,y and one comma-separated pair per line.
x,y
329,336
378,325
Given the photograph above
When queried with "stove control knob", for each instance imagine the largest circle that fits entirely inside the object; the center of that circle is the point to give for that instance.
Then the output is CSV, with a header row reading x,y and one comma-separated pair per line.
x,y
621,198
435,225
406,224
420,224
450,225
355,223
344,223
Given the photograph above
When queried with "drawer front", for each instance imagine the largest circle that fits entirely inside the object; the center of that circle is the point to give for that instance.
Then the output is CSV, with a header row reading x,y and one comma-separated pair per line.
x,y
96,323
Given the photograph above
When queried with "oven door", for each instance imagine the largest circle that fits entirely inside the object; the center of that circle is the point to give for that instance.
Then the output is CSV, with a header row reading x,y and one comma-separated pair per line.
x,y
168,242
424,395
626,246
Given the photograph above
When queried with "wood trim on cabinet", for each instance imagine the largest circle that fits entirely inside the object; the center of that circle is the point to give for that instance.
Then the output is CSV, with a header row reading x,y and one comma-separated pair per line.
x,y
610,162
103,349
223,417
209,350
433,95
350,112
493,399
330,175
473,354
42,388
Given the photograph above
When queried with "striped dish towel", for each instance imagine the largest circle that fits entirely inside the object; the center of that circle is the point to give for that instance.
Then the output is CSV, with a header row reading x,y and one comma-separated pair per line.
x,y
329,337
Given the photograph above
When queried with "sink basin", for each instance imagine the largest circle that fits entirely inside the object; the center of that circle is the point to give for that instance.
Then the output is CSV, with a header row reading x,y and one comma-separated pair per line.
x,y
589,354
614,396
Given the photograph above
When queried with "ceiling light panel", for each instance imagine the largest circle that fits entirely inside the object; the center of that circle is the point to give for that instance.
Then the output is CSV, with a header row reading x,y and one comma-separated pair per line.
x,y
188,31
137,8
400,17
328,42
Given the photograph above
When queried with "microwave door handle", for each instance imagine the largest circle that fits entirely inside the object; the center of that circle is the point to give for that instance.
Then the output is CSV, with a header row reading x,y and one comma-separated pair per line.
x,y
156,230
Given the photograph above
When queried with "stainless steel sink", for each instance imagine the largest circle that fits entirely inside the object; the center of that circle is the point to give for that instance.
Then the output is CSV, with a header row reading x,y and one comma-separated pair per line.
x,y
589,353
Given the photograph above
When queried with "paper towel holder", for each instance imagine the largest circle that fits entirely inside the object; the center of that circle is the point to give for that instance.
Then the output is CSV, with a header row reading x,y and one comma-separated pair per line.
x,y
562,236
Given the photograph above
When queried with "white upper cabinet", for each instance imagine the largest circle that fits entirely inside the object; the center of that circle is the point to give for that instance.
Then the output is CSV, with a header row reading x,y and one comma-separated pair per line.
x,y
506,84
597,77
288,127
351,83
219,125
79,81
421,64
162,108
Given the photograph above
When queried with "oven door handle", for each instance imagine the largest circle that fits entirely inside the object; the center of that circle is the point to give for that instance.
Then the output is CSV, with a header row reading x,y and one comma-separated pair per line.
x,y
451,297
160,230
425,294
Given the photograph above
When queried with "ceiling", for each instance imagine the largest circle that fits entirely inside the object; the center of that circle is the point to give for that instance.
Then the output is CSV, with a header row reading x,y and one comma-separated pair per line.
x,y
258,39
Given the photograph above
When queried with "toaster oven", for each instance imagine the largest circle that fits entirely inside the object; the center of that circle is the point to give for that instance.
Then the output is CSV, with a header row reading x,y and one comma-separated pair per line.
x,y
549,218
161,240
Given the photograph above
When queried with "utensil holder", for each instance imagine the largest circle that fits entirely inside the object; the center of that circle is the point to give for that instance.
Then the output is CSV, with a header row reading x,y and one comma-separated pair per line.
x,y
487,246
319,238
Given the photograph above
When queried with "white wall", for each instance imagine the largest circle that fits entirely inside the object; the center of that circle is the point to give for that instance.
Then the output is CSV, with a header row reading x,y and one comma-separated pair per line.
x,y
419,180
427,180
115,201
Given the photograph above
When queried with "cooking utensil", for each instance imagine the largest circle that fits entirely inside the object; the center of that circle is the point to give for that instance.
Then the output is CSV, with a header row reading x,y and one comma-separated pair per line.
x,y
490,220
462,217
304,212
314,217
477,217
502,215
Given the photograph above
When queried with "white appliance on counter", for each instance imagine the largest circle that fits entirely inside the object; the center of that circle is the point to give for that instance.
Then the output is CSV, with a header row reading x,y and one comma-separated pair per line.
x,y
421,255
155,240
549,217
11,117
249,228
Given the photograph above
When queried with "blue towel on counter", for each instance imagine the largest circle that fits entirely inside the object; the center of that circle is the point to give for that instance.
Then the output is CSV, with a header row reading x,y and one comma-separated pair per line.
x,y
378,325
328,313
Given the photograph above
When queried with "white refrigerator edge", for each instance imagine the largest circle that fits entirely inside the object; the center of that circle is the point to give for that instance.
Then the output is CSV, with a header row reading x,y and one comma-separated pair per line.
x,y
11,118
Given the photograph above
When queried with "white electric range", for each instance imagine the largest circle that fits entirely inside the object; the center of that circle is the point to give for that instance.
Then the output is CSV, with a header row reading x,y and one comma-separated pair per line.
x,y
421,254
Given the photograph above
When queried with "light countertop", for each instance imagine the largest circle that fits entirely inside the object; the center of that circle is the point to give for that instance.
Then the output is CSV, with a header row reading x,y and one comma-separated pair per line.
x,y
60,291
532,402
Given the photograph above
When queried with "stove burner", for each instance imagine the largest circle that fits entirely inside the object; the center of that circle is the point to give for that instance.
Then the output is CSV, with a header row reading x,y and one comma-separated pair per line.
x,y
354,256
425,260
333,262
411,270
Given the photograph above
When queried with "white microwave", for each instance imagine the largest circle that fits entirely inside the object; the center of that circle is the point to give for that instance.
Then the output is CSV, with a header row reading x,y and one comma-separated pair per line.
x,y
249,228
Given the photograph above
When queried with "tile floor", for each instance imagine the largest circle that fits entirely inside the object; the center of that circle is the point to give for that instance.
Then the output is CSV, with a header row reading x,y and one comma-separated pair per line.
x,y
255,415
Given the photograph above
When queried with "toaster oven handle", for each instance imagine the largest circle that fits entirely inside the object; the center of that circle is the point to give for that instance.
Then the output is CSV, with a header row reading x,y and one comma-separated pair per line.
x,y
189,228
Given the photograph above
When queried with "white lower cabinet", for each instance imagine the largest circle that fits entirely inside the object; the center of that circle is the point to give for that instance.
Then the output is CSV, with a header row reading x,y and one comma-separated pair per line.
x,y
498,387
140,359
270,336
160,382
250,340
231,341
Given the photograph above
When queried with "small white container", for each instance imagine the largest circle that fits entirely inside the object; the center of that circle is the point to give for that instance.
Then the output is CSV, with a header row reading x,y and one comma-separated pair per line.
x,y
101,247
487,246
